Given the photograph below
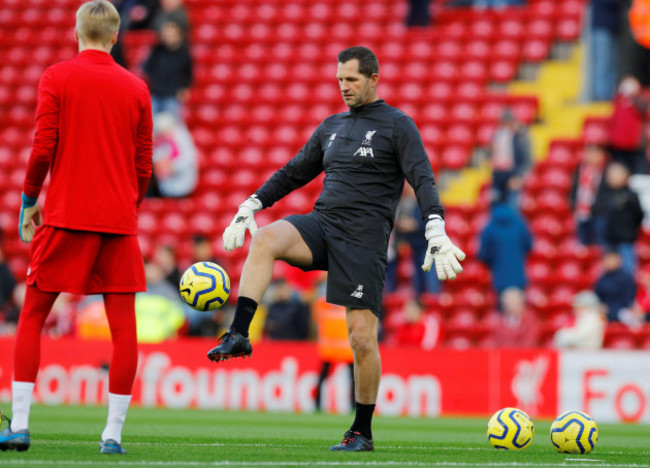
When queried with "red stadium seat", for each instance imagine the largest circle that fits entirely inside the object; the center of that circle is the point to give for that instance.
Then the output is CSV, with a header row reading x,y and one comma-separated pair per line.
x,y
568,29
435,112
460,133
449,50
432,134
596,131
505,49
563,153
250,56
444,70
455,157
474,70
503,70
619,336
556,177
477,48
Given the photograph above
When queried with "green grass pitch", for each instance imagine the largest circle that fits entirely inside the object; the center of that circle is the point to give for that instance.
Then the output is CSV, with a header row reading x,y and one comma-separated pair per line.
x,y
69,436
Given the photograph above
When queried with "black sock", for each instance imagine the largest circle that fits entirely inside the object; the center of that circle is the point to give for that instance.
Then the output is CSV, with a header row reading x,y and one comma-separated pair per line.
x,y
243,315
363,419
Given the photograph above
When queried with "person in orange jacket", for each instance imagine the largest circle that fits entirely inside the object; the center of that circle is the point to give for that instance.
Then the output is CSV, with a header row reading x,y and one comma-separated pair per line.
x,y
333,344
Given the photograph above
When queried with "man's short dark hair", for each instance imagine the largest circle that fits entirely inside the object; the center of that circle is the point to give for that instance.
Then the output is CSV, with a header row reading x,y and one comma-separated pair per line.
x,y
368,63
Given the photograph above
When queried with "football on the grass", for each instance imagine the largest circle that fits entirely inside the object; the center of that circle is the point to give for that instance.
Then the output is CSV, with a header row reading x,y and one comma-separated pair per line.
x,y
574,432
510,429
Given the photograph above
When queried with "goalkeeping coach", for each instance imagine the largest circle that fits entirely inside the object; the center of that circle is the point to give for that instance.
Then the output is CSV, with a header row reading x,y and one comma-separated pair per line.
x,y
366,153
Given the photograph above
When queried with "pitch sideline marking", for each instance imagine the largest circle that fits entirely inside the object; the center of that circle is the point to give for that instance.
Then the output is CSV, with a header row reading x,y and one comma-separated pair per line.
x,y
219,444
307,463
388,447
584,460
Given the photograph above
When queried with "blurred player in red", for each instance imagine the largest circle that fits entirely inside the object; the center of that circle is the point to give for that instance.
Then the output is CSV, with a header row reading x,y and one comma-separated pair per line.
x,y
93,133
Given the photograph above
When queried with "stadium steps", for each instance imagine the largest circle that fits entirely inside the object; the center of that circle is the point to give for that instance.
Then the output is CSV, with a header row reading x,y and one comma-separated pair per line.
x,y
557,89
561,114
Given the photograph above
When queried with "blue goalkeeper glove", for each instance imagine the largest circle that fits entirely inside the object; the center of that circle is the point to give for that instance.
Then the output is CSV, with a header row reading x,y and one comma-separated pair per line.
x,y
233,236
30,216
440,249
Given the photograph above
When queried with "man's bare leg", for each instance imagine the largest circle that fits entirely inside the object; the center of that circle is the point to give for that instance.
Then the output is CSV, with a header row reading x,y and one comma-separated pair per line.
x,y
362,328
277,241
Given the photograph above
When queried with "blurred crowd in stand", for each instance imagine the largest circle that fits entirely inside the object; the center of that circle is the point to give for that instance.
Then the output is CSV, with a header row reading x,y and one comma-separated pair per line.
x,y
168,70
607,212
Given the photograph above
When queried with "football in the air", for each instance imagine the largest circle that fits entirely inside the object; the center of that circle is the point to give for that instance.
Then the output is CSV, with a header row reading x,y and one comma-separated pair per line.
x,y
510,429
205,286
574,432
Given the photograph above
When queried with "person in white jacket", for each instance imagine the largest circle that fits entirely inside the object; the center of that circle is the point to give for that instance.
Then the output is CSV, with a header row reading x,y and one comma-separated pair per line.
x,y
587,329
175,160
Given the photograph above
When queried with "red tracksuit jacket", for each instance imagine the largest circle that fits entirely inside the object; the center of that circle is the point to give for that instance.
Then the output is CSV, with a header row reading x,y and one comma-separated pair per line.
x,y
94,131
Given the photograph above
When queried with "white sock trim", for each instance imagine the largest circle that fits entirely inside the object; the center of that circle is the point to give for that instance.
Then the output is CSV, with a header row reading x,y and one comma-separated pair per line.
x,y
117,408
21,403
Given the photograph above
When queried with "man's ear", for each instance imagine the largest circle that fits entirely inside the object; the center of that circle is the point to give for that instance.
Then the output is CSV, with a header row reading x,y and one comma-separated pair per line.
x,y
374,80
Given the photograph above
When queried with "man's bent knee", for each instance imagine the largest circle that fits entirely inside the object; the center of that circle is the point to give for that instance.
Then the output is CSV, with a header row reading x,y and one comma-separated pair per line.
x,y
281,240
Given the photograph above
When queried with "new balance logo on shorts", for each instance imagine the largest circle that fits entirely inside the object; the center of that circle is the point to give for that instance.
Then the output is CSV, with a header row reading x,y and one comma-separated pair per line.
x,y
358,293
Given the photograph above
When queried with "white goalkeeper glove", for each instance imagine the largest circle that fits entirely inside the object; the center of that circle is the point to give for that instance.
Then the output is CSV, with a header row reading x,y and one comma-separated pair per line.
x,y
233,236
30,216
441,251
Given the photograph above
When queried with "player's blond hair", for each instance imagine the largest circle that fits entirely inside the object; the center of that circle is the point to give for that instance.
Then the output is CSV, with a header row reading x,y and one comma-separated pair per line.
x,y
97,21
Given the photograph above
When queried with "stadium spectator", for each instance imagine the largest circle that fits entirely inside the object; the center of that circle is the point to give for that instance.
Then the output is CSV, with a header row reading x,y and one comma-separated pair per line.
x,y
586,328
414,328
419,13
627,126
157,284
287,317
517,326
175,165
481,4
510,155
61,319
169,70
159,318
640,310
588,196
12,311
7,285
171,10
410,226
392,259
165,257
136,14
604,33
199,323
365,153
504,247
634,50
333,344
623,215
202,249
94,134
615,287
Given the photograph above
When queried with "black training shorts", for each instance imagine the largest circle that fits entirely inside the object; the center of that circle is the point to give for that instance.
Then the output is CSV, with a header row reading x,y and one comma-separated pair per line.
x,y
356,274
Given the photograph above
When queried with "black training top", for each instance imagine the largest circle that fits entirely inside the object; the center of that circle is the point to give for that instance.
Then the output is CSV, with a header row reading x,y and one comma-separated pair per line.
x,y
365,153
